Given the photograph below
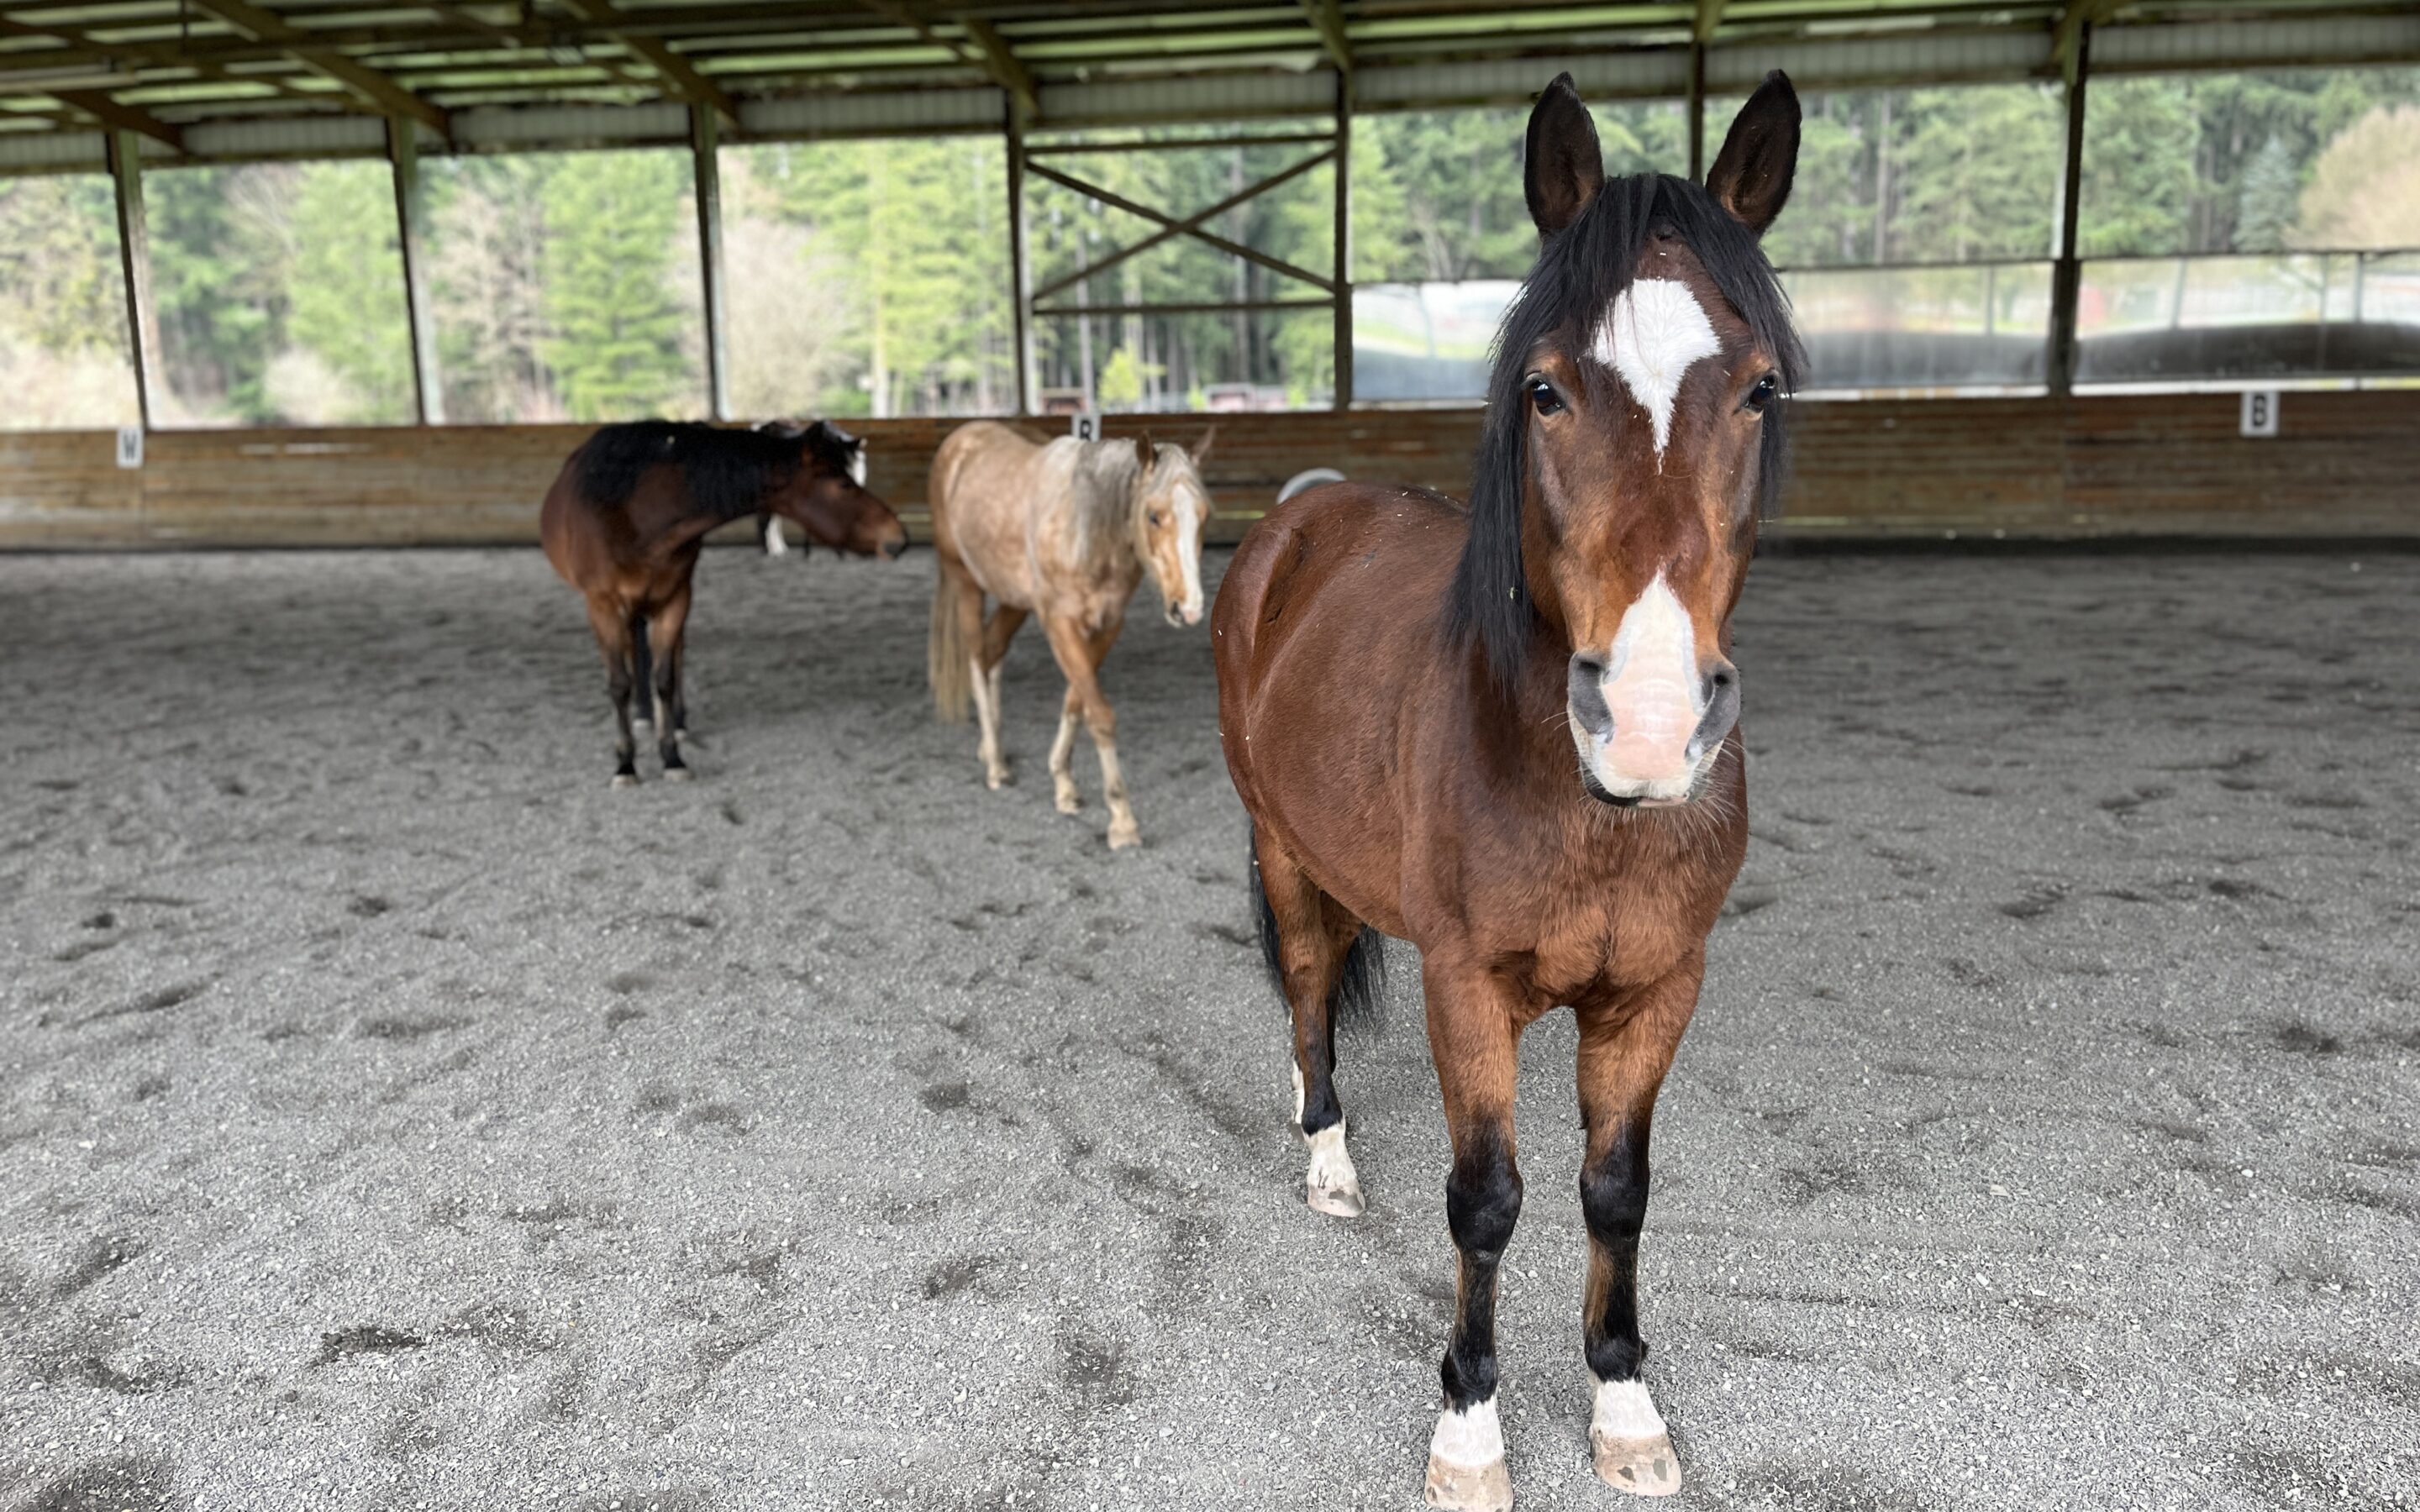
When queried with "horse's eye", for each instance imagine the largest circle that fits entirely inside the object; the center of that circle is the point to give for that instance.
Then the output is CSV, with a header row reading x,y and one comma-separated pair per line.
x,y
1542,396
1155,519
1761,397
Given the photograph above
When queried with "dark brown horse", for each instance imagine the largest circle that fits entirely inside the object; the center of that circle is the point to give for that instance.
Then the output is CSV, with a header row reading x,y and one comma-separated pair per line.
x,y
631,509
1506,733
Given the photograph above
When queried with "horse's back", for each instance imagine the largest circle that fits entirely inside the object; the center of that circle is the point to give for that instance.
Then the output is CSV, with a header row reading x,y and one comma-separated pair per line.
x,y
988,479
1346,564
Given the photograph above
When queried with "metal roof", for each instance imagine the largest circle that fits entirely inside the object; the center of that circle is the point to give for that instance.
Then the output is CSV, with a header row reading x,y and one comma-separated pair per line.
x,y
232,80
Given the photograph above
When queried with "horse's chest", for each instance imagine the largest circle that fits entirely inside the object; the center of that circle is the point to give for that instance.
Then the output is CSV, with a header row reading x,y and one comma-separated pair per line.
x,y
1613,937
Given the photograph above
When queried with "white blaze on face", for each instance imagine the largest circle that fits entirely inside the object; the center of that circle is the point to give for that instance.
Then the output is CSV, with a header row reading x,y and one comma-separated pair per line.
x,y
857,464
1652,690
1655,332
1192,507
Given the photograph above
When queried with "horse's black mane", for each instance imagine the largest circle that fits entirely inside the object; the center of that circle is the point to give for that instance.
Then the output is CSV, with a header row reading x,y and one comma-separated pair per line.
x,y
729,472
1578,272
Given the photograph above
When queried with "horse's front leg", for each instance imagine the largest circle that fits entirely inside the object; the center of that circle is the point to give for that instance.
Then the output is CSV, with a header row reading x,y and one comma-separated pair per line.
x,y
1626,1046
611,627
1472,1038
1063,754
1079,656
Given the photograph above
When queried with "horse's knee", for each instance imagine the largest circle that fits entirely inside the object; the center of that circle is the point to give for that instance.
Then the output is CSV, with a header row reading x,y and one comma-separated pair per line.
x,y
1483,1201
1613,1199
1102,722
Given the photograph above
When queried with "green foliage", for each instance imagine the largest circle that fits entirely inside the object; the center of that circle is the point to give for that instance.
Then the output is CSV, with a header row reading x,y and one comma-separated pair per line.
x,y
346,289
58,263
2217,163
2267,201
613,325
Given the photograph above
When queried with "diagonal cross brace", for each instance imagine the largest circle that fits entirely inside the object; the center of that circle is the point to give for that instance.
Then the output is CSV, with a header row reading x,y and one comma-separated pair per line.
x,y
1189,226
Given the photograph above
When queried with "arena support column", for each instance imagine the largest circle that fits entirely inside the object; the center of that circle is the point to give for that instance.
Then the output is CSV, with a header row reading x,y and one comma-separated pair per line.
x,y
411,235
1698,111
134,262
2067,272
1343,270
706,168
1020,272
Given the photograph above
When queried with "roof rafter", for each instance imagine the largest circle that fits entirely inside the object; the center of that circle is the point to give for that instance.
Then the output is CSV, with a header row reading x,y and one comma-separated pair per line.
x,y
1007,70
676,71
1708,19
2066,40
390,97
1328,19
98,106
81,41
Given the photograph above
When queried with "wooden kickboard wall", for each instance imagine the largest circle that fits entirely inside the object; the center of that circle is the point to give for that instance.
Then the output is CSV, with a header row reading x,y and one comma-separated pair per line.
x,y
2344,464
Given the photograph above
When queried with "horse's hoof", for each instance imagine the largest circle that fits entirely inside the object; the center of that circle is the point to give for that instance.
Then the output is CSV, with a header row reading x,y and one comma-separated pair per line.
x,y
625,780
1336,1202
677,774
1121,836
1468,1488
1070,801
1467,1460
1629,1442
1331,1185
1642,1467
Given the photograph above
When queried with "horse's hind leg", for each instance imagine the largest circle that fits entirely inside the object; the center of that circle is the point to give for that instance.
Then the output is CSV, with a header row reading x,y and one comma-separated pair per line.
x,y
1309,939
611,626
642,672
1626,1048
982,683
667,630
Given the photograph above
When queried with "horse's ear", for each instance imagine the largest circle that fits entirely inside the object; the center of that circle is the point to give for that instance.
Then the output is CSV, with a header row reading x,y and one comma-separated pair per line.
x,y
1751,174
1144,453
1202,447
1563,167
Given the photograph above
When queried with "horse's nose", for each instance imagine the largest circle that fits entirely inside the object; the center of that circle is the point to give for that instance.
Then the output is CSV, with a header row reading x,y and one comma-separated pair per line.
x,y
1722,703
895,550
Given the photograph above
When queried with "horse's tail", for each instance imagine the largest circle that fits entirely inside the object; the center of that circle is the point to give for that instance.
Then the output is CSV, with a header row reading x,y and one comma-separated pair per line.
x,y
1360,985
945,653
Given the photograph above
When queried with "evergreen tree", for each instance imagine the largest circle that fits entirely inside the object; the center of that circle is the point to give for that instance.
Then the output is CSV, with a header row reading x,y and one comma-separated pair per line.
x,y
2267,201
347,305
615,325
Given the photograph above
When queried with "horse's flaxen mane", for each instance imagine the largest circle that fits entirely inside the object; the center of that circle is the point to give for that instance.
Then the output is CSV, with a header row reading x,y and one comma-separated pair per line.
x,y
1578,272
728,472
1104,486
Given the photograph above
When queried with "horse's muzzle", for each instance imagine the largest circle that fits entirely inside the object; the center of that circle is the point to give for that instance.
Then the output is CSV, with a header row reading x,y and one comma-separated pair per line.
x,y
1648,741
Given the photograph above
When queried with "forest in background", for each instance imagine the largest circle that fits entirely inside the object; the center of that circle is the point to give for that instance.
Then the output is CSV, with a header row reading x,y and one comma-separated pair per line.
x,y
872,277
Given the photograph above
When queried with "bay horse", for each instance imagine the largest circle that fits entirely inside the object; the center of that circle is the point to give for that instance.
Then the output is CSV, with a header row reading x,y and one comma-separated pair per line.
x,y
628,514
1508,733
1064,529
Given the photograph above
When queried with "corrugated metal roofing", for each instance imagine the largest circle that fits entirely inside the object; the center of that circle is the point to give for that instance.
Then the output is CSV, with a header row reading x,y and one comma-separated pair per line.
x,y
238,79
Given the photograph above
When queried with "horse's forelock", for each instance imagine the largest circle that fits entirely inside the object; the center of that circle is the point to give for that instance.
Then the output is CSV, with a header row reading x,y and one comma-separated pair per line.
x,y
1579,271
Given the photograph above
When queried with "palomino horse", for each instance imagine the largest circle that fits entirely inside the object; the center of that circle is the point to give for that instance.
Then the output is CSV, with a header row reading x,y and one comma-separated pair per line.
x,y
630,511
1507,734
1063,530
